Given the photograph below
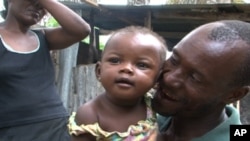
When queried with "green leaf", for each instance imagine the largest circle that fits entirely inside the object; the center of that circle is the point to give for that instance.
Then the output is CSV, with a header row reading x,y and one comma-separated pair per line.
x,y
52,22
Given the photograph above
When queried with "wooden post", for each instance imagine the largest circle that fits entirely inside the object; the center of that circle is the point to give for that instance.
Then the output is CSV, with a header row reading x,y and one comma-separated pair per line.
x,y
147,21
67,60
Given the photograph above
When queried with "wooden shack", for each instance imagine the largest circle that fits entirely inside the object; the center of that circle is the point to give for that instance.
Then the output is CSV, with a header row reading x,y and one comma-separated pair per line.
x,y
75,65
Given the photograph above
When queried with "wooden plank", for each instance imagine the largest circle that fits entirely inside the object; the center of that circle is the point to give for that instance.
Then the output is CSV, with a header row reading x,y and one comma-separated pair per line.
x,y
67,60
91,2
86,85
177,35
147,21
107,12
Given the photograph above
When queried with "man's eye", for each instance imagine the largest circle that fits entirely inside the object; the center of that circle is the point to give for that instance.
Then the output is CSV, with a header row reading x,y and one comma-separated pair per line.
x,y
173,61
195,78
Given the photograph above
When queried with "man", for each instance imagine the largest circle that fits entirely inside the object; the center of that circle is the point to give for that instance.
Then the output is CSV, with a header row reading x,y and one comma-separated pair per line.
x,y
208,69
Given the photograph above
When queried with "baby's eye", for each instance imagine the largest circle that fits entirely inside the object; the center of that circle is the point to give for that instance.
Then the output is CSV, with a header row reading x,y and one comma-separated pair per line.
x,y
114,60
142,65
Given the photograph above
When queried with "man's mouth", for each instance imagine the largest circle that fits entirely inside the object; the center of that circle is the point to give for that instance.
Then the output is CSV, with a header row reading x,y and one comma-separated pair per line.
x,y
164,94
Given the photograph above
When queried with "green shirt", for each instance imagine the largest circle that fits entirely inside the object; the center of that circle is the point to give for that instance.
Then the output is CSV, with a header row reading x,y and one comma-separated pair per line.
x,y
219,133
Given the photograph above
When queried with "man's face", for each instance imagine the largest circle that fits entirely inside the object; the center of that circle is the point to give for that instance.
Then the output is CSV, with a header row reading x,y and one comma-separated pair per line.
x,y
195,78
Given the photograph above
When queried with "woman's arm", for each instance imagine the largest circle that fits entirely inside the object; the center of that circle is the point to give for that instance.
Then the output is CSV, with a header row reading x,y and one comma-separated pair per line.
x,y
72,27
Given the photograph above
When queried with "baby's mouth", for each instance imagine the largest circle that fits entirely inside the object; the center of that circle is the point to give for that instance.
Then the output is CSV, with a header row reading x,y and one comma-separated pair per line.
x,y
124,81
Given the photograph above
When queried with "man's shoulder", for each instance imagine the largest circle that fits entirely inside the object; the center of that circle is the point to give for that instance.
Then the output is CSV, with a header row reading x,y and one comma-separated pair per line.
x,y
163,122
233,114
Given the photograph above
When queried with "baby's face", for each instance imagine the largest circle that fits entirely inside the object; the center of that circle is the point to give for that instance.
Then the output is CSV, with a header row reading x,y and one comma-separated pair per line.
x,y
130,65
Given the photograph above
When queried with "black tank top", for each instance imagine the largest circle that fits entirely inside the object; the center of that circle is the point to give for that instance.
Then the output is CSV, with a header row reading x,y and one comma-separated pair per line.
x,y
27,86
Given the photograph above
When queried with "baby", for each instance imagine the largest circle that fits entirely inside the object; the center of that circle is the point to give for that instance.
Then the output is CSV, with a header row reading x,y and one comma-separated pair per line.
x,y
130,66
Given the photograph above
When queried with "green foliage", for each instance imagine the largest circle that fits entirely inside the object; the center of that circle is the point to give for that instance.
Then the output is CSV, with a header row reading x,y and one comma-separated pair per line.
x,y
52,22
101,45
101,42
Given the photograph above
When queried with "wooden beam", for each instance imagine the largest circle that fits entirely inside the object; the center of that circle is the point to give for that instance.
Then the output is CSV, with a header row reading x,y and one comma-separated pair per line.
x,y
91,2
173,35
147,21
203,16
104,32
106,11
177,35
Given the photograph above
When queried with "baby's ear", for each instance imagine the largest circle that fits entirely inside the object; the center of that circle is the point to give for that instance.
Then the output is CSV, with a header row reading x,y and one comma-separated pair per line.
x,y
237,94
98,70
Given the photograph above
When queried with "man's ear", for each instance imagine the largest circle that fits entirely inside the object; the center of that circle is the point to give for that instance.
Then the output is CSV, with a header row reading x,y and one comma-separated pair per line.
x,y
237,94
158,76
98,70
157,79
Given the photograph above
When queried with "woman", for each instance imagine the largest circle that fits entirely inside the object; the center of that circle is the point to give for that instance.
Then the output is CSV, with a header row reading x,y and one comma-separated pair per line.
x,y
31,109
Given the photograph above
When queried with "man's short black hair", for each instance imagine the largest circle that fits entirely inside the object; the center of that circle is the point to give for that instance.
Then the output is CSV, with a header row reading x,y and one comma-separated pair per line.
x,y
230,31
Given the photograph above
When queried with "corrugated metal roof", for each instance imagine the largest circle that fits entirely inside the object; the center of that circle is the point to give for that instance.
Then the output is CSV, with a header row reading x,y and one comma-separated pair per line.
x,y
170,21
